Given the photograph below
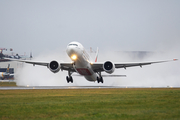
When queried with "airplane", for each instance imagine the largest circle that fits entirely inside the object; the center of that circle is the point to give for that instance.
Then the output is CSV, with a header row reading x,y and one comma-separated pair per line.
x,y
6,74
82,64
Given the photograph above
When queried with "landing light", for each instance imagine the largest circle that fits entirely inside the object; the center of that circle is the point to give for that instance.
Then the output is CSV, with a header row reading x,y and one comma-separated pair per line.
x,y
74,57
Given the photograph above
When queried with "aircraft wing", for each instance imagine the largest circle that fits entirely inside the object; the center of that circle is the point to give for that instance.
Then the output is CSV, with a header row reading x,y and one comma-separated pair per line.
x,y
64,66
30,62
98,67
67,67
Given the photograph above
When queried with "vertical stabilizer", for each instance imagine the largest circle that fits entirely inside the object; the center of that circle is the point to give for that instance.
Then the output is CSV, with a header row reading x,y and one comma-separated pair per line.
x,y
97,52
31,56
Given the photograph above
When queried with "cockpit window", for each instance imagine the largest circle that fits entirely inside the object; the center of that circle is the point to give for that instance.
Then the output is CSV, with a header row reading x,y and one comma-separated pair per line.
x,y
72,45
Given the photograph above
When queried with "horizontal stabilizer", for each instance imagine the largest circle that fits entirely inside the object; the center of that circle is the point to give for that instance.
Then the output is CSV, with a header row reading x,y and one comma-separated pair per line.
x,y
103,75
113,75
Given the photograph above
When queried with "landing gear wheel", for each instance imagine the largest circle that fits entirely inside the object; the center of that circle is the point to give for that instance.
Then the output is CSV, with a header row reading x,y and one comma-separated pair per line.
x,y
100,80
69,79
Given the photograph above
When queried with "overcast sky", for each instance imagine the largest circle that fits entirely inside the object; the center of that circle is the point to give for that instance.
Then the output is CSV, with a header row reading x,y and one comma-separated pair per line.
x,y
45,25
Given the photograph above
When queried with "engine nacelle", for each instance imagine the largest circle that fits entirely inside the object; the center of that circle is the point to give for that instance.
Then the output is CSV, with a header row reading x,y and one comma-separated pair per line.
x,y
109,67
54,66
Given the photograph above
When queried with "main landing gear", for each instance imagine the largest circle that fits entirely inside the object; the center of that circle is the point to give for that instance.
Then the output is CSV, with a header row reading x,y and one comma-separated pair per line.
x,y
69,79
100,79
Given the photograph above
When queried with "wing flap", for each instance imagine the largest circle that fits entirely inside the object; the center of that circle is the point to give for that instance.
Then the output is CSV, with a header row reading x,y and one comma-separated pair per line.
x,y
113,75
67,67
97,67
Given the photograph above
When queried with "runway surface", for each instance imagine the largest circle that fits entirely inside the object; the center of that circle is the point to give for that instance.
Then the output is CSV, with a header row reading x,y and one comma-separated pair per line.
x,y
59,87
74,87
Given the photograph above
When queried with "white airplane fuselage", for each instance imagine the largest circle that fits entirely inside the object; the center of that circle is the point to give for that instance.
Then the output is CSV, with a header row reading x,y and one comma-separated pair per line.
x,y
81,59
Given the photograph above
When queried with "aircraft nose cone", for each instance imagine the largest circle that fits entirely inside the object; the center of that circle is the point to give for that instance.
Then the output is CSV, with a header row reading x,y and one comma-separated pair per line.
x,y
70,50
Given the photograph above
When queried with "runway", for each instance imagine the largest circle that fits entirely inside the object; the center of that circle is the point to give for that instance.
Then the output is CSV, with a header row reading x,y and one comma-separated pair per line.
x,y
58,87
74,87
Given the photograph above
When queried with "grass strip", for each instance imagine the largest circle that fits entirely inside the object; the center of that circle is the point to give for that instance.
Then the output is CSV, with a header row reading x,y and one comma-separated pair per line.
x,y
7,84
65,104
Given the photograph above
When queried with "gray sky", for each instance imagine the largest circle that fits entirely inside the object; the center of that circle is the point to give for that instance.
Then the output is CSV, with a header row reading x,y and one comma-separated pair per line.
x,y
45,25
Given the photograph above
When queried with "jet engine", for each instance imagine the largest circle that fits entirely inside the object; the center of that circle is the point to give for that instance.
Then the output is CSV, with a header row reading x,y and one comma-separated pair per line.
x,y
109,67
54,66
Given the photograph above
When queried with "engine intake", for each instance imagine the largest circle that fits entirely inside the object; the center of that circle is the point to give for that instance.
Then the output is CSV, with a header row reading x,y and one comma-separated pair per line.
x,y
54,66
108,67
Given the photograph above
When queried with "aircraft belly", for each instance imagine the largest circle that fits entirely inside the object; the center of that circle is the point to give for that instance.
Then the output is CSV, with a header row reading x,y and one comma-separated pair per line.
x,y
84,71
87,73
83,67
91,77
